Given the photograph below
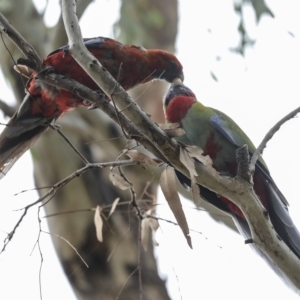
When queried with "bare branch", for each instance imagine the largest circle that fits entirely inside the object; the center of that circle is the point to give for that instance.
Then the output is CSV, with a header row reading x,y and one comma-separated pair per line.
x,y
139,261
242,158
90,95
58,36
241,193
106,82
125,283
56,128
268,137
59,236
56,187
40,251
20,42
262,232
85,209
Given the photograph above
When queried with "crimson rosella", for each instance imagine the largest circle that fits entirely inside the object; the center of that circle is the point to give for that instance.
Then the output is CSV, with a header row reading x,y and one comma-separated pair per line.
x,y
129,65
219,136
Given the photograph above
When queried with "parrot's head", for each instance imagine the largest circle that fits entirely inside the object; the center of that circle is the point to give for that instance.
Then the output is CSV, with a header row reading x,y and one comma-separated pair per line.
x,y
178,101
166,65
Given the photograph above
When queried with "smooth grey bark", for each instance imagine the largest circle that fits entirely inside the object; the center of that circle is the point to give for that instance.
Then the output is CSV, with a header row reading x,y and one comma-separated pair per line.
x,y
54,159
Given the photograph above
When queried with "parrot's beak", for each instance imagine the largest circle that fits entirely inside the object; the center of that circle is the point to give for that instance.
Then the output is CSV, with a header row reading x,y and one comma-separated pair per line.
x,y
177,81
181,77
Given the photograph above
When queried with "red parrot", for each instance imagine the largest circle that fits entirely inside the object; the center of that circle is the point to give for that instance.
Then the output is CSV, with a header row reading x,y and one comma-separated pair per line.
x,y
219,136
129,65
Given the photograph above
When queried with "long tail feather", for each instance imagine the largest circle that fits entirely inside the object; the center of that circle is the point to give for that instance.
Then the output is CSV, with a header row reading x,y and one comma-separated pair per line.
x,y
21,132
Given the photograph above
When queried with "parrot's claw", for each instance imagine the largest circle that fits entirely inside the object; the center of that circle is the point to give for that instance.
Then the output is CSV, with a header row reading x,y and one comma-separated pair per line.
x,y
92,106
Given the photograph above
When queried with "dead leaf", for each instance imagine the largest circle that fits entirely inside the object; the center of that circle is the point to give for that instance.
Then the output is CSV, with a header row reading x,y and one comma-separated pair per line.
x,y
185,158
113,207
98,223
196,153
172,129
190,165
149,223
24,70
196,191
154,225
119,181
165,126
174,132
145,230
141,157
168,186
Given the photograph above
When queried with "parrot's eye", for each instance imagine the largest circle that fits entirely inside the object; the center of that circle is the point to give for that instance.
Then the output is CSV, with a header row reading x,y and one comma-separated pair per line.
x,y
172,71
185,91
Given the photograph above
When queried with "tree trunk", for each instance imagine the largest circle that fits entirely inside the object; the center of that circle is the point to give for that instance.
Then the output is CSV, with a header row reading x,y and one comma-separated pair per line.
x,y
54,159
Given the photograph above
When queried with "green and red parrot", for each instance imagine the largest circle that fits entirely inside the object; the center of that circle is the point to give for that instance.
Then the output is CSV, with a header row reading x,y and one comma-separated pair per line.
x,y
219,137
129,65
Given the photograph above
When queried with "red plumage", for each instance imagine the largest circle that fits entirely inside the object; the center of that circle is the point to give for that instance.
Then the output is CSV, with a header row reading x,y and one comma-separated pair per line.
x,y
129,65
219,137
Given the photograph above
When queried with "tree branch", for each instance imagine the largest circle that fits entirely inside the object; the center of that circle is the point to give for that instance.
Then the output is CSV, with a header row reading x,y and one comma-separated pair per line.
x,y
107,83
59,185
92,96
238,190
242,158
268,137
20,42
